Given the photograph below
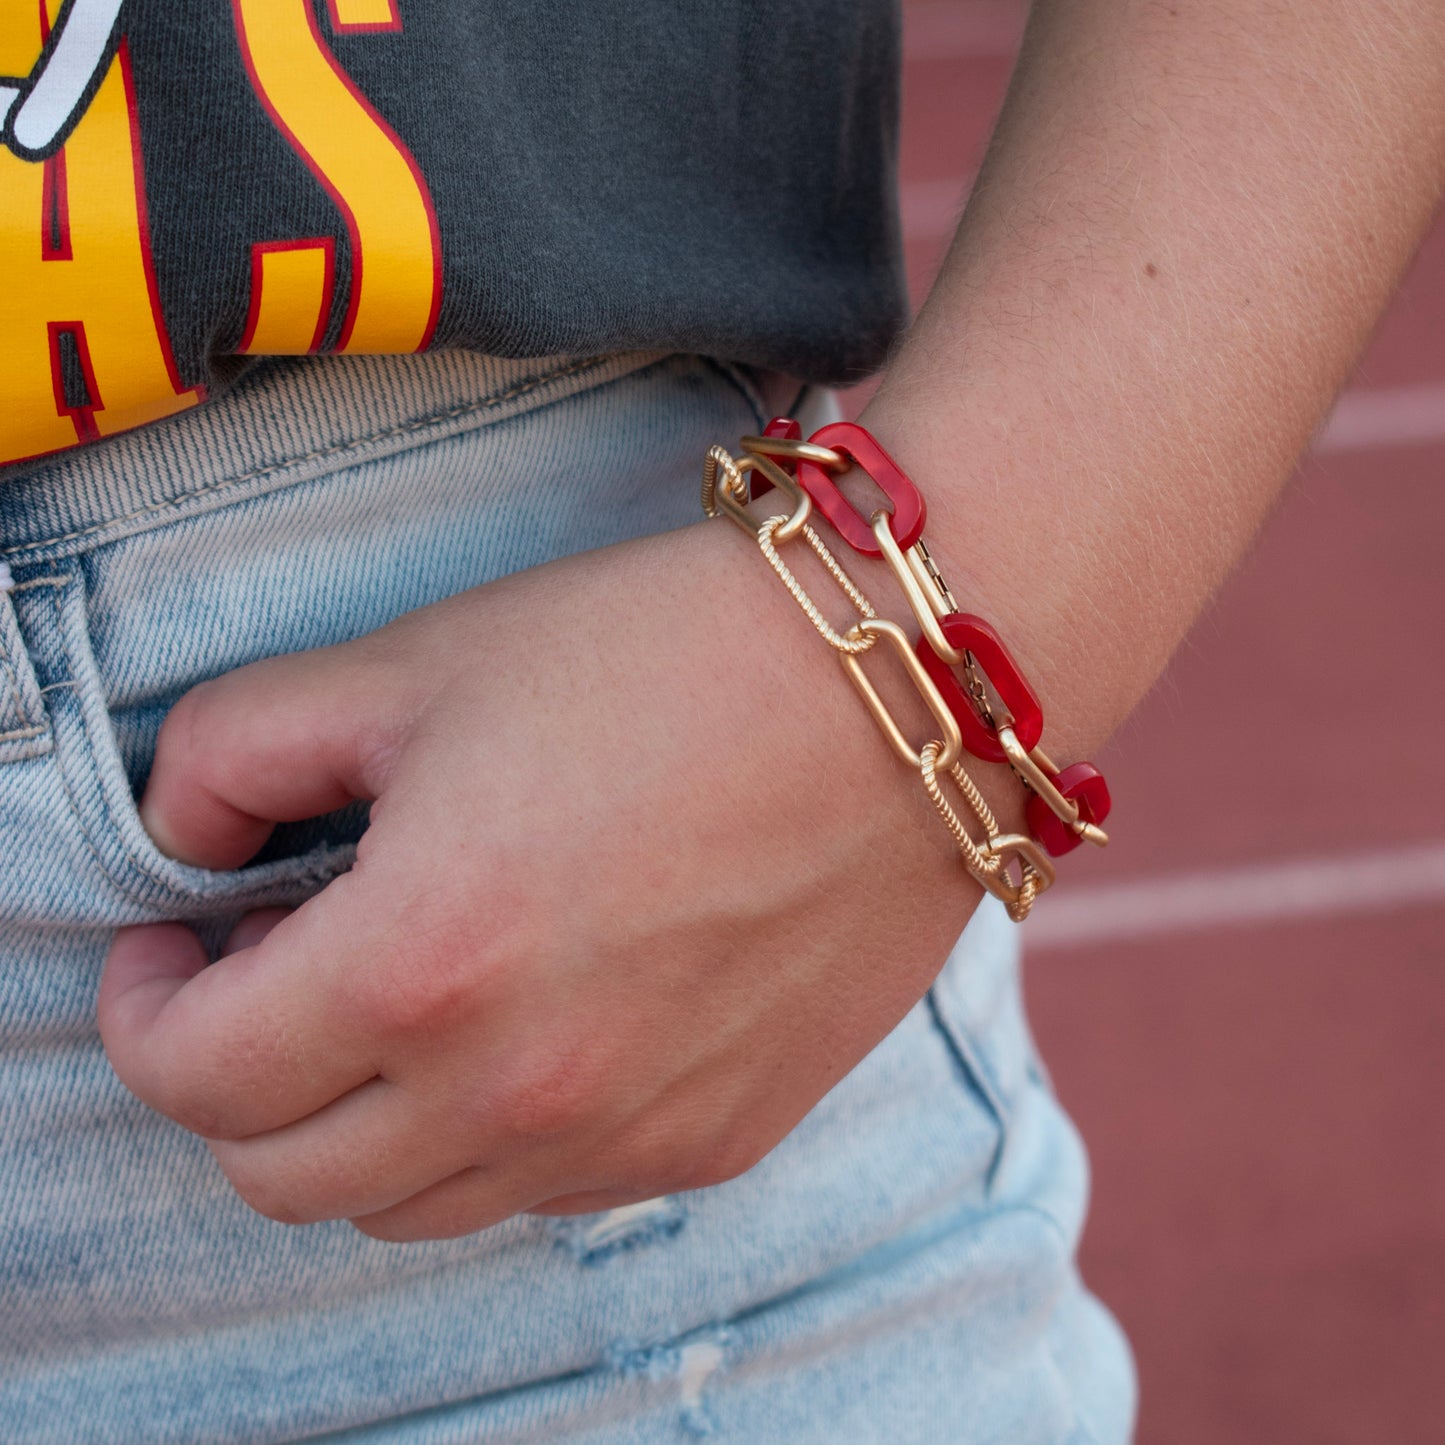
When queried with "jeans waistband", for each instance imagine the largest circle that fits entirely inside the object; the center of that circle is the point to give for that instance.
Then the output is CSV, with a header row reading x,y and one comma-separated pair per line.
x,y
284,417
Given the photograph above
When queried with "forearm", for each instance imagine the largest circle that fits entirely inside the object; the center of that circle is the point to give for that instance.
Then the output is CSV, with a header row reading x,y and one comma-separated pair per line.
x,y
1189,221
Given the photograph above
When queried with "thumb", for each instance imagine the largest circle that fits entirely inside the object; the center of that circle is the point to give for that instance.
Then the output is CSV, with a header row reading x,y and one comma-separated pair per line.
x,y
280,740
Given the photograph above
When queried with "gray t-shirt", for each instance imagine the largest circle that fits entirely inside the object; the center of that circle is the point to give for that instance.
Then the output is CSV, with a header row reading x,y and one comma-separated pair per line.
x,y
186,186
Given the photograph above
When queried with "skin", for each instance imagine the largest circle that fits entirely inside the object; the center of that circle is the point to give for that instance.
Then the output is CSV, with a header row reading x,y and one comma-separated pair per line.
x,y
617,926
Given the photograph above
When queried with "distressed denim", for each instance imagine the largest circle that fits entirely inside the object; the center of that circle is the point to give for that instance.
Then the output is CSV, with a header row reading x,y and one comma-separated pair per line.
x,y
900,1267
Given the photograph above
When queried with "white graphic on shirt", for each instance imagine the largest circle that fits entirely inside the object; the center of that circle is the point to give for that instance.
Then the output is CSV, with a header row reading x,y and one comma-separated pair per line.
x,y
41,109
86,350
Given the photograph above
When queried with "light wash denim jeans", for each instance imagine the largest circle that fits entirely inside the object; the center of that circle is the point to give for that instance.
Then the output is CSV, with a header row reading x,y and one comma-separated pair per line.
x,y
900,1268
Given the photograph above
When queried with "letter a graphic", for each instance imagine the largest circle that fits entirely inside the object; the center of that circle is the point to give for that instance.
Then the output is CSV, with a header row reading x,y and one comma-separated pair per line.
x,y
83,346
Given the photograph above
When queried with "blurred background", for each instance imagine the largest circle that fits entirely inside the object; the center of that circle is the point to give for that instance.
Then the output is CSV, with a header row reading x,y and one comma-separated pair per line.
x,y
1242,1000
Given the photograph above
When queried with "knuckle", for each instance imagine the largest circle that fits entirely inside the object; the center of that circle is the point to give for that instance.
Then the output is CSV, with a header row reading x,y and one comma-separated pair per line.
x,y
434,977
561,1089
188,733
273,1197
386,1231
183,724
714,1164
202,1099
654,1161
188,1104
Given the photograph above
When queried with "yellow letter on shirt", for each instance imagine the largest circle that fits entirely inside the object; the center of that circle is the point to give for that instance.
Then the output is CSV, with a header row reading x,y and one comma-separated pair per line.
x,y
83,347
369,175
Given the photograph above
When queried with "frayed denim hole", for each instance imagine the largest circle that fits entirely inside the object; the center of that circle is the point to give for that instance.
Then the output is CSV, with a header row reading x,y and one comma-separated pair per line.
x,y
592,1239
689,1363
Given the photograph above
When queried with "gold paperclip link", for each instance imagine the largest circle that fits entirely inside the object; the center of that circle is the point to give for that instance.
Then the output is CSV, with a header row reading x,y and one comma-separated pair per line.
x,y
923,601
845,644
976,861
1027,766
731,497
718,459
1036,872
790,451
874,627
930,578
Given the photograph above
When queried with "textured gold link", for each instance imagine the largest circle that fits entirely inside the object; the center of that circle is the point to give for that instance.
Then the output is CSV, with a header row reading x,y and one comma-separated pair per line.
x,y
988,861
831,636
1036,872
719,459
732,498
1029,889
973,856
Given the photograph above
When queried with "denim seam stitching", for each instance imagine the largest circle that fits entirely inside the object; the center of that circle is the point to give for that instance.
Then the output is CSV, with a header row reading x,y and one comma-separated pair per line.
x,y
32,724
976,1077
17,704
740,382
90,763
340,449
15,734
82,831
57,581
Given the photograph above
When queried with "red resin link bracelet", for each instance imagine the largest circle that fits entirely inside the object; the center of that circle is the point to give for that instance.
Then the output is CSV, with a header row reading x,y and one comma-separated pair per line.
x,y
1065,806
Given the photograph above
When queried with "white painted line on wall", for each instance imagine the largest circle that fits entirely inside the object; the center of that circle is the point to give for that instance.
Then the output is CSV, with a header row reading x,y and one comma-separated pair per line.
x,y
1382,417
947,30
1261,894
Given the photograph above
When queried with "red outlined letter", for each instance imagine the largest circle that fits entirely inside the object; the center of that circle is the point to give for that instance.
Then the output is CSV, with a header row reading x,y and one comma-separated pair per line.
x,y
395,247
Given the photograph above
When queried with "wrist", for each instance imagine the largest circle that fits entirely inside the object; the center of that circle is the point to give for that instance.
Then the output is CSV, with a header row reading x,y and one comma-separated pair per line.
x,y
1034,566
978,704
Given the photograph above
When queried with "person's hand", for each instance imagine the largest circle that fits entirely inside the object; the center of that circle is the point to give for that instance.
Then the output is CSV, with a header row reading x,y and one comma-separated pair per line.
x,y
641,884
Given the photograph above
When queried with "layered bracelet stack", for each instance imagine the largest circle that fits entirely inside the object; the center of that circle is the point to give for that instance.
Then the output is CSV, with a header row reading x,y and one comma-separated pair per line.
x,y
958,664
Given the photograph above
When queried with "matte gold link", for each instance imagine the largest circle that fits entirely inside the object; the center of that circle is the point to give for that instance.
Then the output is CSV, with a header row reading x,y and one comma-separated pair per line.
x,y
921,560
918,675
940,600
1034,777
919,602
1045,761
788,450
929,599
735,507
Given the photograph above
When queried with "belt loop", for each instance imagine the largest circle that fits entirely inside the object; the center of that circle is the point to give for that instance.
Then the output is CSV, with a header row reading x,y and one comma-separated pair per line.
x,y
24,723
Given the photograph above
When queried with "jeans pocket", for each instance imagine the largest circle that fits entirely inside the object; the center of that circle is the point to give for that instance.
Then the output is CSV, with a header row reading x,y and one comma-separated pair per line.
x,y
121,876
253,563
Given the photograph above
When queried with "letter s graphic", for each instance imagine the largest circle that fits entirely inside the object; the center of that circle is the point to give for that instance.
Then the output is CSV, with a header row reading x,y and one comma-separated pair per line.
x,y
395,288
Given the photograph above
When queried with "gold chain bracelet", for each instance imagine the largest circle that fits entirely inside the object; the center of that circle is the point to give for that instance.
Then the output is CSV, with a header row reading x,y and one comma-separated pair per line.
x,y
1014,867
